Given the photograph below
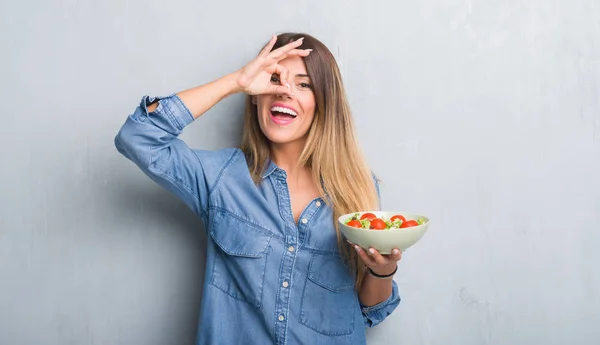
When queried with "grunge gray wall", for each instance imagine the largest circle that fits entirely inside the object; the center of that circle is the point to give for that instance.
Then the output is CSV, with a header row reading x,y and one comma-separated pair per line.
x,y
484,115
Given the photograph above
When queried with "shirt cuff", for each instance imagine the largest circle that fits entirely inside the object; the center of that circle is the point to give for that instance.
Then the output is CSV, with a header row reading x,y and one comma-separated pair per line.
x,y
375,314
171,111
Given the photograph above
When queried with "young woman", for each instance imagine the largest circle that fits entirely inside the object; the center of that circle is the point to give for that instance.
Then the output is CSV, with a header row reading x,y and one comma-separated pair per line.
x,y
277,270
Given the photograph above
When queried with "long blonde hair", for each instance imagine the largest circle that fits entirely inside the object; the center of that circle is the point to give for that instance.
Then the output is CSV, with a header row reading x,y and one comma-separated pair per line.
x,y
331,151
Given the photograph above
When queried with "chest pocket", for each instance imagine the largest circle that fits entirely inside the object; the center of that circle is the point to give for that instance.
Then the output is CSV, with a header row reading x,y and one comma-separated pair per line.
x,y
239,266
329,301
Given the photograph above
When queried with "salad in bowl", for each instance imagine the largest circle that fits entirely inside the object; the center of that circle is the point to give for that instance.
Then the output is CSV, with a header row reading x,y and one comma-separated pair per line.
x,y
383,230
369,220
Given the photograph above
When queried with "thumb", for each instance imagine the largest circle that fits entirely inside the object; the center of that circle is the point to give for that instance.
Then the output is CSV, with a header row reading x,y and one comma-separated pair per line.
x,y
280,90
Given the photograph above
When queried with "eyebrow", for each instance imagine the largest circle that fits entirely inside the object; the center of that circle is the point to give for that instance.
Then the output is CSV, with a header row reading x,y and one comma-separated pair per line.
x,y
302,75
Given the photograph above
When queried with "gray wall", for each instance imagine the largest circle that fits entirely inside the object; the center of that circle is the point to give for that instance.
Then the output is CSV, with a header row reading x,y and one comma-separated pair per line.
x,y
484,115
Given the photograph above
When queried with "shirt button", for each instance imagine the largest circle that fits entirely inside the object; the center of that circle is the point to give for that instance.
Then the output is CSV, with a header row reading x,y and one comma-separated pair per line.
x,y
285,284
291,248
281,318
304,220
318,203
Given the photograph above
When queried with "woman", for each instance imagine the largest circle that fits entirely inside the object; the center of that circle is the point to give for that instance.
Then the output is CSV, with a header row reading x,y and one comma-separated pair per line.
x,y
277,269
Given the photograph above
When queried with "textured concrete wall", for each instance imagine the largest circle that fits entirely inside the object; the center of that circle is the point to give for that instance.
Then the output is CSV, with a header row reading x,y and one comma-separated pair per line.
x,y
484,115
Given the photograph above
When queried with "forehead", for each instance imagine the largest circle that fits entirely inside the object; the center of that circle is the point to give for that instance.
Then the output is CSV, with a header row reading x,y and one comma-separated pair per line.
x,y
294,64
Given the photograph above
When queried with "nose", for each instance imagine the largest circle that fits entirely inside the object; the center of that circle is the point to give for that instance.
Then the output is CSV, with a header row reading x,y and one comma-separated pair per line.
x,y
286,95
290,94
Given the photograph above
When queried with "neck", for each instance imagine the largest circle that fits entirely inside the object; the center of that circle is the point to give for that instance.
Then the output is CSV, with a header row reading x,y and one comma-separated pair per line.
x,y
286,156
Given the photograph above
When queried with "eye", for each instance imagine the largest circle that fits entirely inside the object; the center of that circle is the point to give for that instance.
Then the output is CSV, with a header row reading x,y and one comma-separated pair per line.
x,y
305,86
275,78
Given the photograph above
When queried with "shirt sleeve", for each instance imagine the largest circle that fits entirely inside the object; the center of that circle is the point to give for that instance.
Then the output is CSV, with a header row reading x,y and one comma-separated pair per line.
x,y
150,140
375,315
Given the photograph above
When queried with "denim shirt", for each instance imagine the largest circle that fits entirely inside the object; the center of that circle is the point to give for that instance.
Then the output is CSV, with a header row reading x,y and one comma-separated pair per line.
x,y
268,279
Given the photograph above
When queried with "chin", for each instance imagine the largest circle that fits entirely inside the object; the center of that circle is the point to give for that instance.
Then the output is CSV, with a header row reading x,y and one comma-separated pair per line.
x,y
277,137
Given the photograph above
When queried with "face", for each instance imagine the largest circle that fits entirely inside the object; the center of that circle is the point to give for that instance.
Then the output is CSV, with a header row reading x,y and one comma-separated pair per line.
x,y
286,119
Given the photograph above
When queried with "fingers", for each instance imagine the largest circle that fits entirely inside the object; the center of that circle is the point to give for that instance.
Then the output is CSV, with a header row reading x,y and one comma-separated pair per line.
x,y
373,258
379,259
295,52
279,90
282,51
283,76
285,88
267,49
396,255
364,256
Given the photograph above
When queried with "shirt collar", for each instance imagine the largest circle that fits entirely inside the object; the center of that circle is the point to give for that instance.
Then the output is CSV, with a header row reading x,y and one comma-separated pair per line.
x,y
270,167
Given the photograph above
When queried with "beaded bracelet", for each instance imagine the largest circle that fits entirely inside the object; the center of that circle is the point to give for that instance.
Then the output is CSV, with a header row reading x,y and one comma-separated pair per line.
x,y
381,276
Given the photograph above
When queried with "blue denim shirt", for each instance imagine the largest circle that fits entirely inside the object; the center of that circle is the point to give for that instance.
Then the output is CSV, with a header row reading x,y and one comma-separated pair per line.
x,y
268,279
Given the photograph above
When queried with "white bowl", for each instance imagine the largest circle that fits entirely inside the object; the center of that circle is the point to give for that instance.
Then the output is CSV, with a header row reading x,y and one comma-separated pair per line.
x,y
384,240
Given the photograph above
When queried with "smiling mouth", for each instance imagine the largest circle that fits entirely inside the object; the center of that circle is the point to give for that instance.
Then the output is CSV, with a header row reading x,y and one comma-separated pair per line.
x,y
282,115
283,112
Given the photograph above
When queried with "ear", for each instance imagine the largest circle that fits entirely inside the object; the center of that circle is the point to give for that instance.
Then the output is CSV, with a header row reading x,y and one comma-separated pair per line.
x,y
254,100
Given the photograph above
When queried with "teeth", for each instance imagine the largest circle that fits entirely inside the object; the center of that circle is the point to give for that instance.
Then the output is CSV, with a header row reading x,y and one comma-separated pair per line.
x,y
284,110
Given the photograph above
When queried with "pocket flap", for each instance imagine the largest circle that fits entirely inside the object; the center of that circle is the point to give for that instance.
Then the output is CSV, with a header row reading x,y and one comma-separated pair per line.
x,y
330,272
239,238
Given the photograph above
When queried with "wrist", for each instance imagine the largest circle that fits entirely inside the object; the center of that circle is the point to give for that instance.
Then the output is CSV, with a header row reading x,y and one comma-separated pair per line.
x,y
233,83
383,274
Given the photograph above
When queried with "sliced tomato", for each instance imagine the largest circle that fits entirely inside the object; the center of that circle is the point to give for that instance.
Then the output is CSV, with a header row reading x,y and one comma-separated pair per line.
x,y
369,216
398,217
409,223
377,224
355,223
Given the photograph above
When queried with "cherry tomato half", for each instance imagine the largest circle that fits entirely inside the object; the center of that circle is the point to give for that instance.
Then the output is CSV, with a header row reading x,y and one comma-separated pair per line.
x,y
369,216
398,217
377,224
355,223
409,223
